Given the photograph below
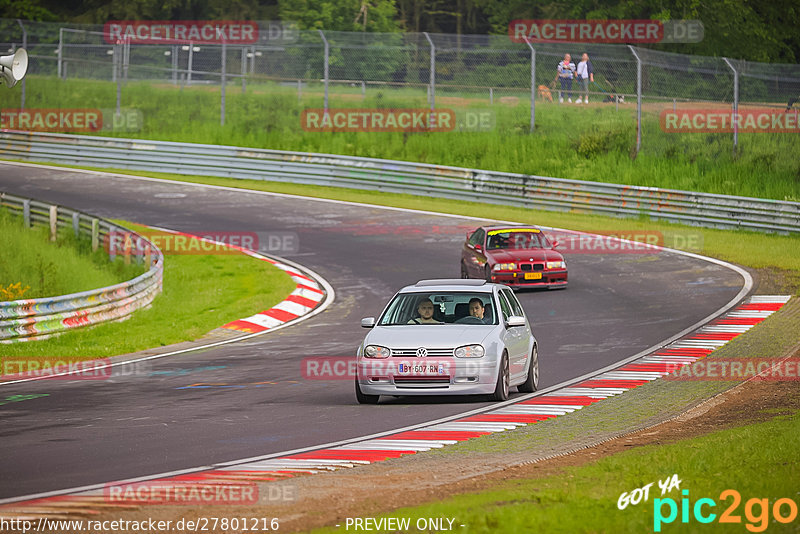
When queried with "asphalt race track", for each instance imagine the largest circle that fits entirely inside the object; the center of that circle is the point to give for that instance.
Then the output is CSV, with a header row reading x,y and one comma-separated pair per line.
x,y
94,431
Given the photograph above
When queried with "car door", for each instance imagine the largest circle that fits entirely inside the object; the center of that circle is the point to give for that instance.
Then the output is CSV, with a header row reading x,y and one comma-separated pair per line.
x,y
515,338
527,332
473,255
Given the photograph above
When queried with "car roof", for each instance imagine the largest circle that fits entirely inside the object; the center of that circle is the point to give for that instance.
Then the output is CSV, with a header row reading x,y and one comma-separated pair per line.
x,y
449,284
493,227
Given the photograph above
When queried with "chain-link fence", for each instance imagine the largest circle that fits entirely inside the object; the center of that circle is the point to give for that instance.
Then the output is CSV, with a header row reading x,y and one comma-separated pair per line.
x,y
655,96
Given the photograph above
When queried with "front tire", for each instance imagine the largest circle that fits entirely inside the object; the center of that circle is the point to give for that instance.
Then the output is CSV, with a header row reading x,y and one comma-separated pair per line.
x,y
363,398
487,272
531,383
501,388
464,274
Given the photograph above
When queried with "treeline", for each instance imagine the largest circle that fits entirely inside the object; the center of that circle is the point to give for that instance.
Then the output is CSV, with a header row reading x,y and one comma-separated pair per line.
x,y
756,30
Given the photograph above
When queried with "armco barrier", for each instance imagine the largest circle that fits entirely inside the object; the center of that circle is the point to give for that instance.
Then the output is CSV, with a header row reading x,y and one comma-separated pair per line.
x,y
23,320
702,209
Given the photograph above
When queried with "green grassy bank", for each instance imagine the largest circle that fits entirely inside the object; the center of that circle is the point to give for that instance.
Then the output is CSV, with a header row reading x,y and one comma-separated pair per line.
x,y
592,142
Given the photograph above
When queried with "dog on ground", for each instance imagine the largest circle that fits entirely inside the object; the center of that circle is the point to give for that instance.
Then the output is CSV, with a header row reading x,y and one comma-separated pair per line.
x,y
615,98
544,93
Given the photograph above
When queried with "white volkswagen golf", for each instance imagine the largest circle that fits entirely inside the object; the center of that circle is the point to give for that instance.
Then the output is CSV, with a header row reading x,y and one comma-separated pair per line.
x,y
448,337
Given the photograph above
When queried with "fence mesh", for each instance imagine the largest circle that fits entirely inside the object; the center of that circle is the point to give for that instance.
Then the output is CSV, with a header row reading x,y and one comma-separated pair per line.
x,y
441,70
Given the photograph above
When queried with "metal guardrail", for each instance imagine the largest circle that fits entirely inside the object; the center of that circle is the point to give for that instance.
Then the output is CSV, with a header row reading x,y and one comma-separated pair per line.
x,y
27,319
702,209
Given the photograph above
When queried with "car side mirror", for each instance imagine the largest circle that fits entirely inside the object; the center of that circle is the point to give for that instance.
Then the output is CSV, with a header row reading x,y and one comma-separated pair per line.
x,y
479,248
555,243
515,320
367,322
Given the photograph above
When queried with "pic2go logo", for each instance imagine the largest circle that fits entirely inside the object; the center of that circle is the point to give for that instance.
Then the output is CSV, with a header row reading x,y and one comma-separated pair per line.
x,y
756,511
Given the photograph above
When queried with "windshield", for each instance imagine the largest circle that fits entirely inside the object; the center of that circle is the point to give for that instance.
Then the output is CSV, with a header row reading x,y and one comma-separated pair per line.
x,y
516,239
438,308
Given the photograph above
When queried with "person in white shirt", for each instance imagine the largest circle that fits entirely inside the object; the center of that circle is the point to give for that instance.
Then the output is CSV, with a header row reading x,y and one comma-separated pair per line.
x,y
585,74
425,310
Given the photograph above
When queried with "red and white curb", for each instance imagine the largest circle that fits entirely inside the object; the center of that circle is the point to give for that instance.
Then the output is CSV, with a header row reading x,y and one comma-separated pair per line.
x,y
363,451
312,295
306,296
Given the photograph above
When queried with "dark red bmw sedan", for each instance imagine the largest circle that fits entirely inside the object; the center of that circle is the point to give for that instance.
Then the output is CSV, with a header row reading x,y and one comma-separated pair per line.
x,y
519,256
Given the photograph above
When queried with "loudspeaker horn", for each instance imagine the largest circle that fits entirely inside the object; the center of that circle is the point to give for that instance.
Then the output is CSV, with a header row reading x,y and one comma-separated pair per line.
x,y
14,67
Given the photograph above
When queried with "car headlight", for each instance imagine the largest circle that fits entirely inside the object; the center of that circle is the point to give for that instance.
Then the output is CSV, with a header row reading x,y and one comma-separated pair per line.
x,y
505,267
470,351
376,351
557,264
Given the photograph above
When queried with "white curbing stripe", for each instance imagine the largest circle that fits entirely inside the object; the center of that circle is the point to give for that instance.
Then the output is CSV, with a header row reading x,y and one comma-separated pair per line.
x,y
264,321
732,329
632,375
770,299
751,314
592,392
541,409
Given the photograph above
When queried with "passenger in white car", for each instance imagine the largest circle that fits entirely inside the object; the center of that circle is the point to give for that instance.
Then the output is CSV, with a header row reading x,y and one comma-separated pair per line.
x,y
425,310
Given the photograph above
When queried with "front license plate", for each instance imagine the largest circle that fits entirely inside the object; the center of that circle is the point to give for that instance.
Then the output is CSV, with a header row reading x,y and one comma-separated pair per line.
x,y
533,276
423,369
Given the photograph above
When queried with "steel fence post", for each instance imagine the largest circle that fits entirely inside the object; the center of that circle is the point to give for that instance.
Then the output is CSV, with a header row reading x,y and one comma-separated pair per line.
x,y
735,115
638,99
95,234
117,74
533,83
126,58
189,64
432,78
175,53
60,51
26,213
53,222
25,46
326,64
223,69
244,69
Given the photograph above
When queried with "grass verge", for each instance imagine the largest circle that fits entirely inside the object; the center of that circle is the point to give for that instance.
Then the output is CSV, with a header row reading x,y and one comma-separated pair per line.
x,y
48,269
201,292
584,499
592,142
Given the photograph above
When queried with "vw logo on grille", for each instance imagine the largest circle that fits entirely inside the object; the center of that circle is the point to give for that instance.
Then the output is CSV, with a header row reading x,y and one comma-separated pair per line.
x,y
422,352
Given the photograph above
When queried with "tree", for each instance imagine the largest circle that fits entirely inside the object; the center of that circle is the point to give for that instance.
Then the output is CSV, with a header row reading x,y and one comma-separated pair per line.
x,y
340,15
25,9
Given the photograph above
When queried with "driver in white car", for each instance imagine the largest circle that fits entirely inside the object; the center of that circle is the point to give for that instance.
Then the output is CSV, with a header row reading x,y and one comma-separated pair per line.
x,y
476,309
